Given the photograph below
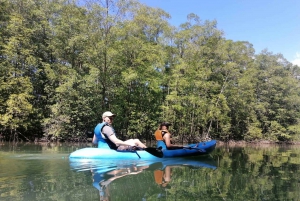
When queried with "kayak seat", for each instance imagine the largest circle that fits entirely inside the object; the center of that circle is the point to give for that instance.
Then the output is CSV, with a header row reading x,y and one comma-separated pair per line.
x,y
161,143
103,145
159,140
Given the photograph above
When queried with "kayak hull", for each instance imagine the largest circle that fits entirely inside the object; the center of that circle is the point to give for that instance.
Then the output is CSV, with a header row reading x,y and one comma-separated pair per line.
x,y
106,153
202,148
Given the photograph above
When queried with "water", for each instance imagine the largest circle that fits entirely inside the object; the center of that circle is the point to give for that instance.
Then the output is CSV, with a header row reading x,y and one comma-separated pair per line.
x,y
44,172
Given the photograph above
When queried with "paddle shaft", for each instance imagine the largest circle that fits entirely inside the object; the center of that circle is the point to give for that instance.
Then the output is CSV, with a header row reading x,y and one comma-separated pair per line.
x,y
137,154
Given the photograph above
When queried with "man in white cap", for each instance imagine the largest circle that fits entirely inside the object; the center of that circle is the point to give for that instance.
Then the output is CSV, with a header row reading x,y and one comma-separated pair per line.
x,y
109,136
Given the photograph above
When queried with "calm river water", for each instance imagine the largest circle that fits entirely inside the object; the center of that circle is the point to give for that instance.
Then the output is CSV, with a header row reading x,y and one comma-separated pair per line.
x,y
44,172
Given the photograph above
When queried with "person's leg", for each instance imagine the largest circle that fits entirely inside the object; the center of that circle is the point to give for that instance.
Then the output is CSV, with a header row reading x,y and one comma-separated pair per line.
x,y
137,142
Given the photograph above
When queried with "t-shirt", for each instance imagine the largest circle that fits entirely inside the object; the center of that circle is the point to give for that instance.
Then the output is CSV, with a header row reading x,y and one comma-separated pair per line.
x,y
108,131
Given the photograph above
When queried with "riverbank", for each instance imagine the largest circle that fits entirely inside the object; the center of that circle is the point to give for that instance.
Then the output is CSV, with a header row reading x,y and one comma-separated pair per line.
x,y
88,139
258,142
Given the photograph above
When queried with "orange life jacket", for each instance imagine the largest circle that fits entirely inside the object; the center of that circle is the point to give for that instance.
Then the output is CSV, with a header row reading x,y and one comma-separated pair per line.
x,y
158,176
159,134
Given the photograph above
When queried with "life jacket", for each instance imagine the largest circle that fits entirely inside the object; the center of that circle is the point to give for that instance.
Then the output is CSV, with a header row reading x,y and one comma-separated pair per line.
x,y
103,141
158,176
159,136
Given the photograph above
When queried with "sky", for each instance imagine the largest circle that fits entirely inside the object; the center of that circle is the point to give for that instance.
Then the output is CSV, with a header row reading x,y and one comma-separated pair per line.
x,y
266,24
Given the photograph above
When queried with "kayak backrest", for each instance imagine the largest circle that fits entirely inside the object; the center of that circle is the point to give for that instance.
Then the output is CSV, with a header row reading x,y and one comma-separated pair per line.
x,y
102,144
97,132
161,144
159,139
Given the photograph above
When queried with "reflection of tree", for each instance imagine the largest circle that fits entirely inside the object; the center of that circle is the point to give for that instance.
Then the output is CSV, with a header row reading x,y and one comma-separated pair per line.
x,y
186,183
257,173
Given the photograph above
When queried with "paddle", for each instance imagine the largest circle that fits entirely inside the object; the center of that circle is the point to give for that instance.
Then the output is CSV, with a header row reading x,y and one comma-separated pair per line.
x,y
154,151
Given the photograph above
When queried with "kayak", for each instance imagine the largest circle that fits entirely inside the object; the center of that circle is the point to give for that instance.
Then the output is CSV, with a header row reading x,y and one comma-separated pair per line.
x,y
201,148
104,152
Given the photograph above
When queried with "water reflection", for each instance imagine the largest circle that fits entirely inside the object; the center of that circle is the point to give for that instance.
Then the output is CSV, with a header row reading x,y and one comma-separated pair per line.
x,y
146,179
29,172
102,180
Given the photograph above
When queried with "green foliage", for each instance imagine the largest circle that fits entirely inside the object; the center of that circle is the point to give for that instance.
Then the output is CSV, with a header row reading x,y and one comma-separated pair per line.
x,y
63,63
277,132
254,132
294,132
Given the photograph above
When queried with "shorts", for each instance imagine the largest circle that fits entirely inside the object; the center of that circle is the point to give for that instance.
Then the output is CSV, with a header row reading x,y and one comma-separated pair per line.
x,y
126,148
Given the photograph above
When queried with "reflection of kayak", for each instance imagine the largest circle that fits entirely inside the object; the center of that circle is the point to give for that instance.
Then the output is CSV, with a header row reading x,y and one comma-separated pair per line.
x,y
190,162
108,165
104,152
104,172
138,179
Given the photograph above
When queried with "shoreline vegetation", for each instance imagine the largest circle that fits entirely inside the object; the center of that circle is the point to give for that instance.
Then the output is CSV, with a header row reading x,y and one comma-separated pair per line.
x,y
84,140
64,63
259,142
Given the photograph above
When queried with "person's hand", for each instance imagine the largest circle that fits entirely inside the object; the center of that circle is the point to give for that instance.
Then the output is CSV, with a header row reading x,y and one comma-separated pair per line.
x,y
133,148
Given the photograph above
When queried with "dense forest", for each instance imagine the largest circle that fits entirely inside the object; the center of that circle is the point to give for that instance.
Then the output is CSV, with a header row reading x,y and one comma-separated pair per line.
x,y
63,63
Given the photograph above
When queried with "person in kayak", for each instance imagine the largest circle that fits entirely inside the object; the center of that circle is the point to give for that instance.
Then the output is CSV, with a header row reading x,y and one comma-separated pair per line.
x,y
162,133
104,132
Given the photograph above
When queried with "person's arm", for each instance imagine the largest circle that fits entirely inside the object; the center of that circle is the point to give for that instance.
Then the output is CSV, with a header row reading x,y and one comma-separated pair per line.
x,y
95,140
167,138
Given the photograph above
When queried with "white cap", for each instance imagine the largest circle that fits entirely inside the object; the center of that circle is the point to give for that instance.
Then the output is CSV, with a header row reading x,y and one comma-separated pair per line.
x,y
107,114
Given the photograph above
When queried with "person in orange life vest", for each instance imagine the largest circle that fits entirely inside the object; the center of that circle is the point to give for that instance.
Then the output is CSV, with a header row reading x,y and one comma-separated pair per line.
x,y
163,177
162,133
110,135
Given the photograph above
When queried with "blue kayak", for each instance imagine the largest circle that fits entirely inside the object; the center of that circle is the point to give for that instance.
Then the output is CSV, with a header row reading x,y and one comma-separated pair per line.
x,y
104,152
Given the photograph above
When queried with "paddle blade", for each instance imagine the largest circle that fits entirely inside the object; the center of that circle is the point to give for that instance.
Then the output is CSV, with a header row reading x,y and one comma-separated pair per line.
x,y
155,152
